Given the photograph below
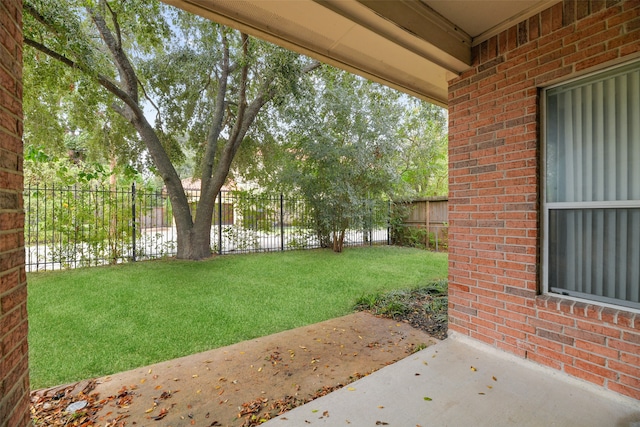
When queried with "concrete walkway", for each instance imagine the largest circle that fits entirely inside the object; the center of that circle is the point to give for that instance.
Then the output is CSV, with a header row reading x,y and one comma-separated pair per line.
x,y
460,382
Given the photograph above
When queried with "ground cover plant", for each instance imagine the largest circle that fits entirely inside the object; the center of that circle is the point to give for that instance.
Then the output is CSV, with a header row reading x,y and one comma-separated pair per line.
x,y
424,307
96,321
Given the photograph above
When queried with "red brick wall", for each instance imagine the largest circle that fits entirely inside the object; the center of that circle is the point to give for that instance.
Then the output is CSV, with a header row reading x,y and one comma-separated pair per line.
x,y
494,196
14,378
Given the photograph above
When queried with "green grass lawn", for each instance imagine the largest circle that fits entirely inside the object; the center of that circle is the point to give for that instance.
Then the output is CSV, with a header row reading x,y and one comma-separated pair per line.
x,y
97,321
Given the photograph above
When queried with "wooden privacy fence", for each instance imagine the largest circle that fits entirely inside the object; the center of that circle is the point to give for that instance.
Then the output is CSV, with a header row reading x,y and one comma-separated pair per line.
x,y
426,220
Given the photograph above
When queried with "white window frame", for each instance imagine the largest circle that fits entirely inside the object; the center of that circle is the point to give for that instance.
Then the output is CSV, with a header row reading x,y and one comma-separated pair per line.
x,y
546,207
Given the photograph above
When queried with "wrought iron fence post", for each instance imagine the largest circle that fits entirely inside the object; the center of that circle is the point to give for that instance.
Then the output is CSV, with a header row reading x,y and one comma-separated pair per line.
x,y
389,223
220,222
281,222
370,225
133,221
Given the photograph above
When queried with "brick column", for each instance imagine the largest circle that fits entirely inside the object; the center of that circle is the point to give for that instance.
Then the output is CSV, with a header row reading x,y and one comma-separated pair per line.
x,y
14,368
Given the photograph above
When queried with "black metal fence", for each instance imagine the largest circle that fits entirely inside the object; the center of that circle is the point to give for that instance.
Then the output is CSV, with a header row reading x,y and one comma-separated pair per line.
x,y
69,227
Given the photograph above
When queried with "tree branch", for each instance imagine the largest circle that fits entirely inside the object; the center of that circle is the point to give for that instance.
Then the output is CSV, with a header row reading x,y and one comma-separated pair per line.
x,y
242,96
125,69
116,25
28,8
208,159
264,95
311,66
102,80
148,98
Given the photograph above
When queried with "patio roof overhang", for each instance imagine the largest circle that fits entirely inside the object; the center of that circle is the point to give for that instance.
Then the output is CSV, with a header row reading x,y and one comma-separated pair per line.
x,y
415,46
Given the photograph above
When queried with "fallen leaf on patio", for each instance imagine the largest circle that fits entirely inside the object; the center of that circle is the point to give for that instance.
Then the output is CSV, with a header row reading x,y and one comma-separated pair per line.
x,y
325,414
494,378
150,410
142,381
481,393
149,370
158,387
473,369
381,423
428,399
163,413
489,387
194,376
380,407
314,410
351,389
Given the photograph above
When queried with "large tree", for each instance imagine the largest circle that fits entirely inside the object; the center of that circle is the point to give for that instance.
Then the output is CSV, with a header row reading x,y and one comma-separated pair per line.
x,y
202,83
347,144
339,142
422,161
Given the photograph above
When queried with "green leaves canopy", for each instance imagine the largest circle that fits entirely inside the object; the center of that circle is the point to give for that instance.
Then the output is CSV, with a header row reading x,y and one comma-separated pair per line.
x,y
204,84
339,147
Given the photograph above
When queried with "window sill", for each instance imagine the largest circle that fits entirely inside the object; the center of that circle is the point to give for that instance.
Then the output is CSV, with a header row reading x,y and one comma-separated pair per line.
x,y
612,314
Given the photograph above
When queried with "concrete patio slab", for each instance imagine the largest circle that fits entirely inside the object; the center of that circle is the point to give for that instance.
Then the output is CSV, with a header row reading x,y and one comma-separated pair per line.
x,y
461,382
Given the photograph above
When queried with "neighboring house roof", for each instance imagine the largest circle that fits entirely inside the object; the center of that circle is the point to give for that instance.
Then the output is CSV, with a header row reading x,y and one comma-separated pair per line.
x,y
193,186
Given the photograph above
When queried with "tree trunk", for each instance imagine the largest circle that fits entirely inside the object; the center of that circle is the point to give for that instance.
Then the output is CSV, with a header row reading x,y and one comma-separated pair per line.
x,y
338,240
189,245
194,245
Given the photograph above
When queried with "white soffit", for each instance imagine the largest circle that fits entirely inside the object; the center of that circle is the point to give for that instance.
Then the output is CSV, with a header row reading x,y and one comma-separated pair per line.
x,y
415,46
482,19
